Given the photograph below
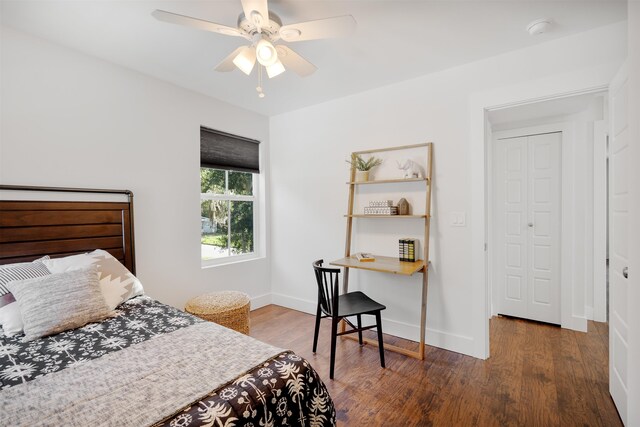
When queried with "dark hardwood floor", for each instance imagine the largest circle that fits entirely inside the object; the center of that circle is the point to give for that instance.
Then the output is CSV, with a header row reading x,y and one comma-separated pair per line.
x,y
538,375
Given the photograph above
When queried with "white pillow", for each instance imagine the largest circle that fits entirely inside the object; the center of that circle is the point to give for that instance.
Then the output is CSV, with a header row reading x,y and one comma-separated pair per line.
x,y
10,317
116,282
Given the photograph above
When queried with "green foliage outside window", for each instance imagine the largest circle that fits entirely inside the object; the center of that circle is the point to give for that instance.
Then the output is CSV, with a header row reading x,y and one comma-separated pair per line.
x,y
215,213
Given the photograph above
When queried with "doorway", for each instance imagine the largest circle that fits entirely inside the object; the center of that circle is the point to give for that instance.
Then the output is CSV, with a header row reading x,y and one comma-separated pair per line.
x,y
545,231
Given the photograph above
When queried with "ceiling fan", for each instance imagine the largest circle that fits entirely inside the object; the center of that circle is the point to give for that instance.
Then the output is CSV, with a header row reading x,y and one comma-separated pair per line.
x,y
264,29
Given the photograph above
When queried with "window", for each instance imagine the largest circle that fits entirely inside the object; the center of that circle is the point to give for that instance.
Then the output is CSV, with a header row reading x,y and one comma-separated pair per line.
x,y
229,169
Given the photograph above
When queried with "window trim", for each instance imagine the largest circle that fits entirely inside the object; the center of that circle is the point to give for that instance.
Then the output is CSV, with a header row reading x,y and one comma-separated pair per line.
x,y
255,199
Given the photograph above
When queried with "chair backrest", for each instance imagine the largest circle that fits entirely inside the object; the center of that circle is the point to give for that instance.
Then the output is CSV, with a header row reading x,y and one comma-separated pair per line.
x,y
328,287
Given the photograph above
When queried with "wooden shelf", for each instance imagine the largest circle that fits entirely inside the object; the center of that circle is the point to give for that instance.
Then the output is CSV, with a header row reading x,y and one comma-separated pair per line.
x,y
384,216
402,147
388,181
388,264
382,264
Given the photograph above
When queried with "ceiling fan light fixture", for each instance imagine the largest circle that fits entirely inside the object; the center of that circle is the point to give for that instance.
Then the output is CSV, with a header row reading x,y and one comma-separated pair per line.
x,y
245,60
266,53
263,28
275,69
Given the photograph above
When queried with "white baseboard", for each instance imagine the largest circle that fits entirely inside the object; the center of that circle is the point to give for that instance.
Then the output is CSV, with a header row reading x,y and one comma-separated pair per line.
x,y
453,342
576,323
588,312
299,304
260,301
599,316
596,315
446,340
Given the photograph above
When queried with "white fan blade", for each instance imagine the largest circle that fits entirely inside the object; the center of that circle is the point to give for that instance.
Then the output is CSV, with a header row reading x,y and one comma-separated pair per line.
x,y
260,6
227,63
295,62
201,24
338,26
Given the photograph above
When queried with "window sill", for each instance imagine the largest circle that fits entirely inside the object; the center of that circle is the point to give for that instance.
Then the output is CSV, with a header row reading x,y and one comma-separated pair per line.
x,y
237,259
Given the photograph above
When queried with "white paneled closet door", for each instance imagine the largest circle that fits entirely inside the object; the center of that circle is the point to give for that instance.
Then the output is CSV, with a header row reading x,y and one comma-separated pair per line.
x,y
527,223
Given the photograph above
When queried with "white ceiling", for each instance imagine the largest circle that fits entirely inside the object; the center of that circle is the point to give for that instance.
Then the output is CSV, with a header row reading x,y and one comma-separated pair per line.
x,y
395,40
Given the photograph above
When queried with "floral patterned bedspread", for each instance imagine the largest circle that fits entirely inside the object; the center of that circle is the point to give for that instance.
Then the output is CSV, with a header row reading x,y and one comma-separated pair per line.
x,y
282,391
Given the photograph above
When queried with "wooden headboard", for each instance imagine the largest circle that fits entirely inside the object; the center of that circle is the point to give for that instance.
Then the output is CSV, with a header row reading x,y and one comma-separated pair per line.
x,y
30,229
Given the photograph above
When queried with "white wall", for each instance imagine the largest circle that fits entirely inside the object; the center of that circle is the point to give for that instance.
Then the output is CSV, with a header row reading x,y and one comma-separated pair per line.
x,y
72,120
309,197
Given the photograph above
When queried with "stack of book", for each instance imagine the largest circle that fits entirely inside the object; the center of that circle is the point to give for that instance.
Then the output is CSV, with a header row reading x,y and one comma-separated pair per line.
x,y
364,257
407,249
381,207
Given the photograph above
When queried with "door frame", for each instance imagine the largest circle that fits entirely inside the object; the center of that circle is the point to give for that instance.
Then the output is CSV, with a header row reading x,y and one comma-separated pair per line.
x,y
566,210
480,103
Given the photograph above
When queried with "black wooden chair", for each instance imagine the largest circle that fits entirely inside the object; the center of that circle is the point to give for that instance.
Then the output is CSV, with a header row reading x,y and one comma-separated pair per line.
x,y
339,307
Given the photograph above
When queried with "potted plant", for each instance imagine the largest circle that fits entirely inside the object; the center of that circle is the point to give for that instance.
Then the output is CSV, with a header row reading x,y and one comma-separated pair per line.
x,y
363,167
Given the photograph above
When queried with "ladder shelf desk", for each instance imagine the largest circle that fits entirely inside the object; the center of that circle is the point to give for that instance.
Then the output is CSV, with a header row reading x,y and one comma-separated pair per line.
x,y
390,264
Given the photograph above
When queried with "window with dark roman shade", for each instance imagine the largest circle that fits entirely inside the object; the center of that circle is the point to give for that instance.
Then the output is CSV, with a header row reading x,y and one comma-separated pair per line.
x,y
220,150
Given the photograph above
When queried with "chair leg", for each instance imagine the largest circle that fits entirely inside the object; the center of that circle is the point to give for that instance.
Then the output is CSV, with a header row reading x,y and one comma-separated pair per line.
x,y
360,327
334,335
317,330
380,342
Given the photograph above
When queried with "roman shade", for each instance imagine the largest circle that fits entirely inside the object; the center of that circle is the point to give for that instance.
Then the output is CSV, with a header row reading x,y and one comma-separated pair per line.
x,y
222,150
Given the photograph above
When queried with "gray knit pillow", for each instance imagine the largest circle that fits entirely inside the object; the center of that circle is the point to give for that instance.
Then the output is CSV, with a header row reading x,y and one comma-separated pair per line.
x,y
59,302
10,318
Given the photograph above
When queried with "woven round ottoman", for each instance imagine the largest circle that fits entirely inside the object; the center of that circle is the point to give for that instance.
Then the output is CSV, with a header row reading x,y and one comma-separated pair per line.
x,y
226,308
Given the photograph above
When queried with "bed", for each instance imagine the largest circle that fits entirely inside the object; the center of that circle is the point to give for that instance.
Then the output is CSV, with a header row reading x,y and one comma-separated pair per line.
x,y
143,362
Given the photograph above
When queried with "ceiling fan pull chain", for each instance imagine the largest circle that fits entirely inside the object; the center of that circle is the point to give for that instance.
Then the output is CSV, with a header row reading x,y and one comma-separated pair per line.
x,y
259,88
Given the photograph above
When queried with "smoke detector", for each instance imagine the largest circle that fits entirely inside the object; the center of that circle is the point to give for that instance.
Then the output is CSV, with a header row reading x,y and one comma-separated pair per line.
x,y
539,26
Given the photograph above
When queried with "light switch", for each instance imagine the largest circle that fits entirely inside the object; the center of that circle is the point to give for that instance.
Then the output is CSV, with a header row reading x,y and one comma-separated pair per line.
x,y
458,219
